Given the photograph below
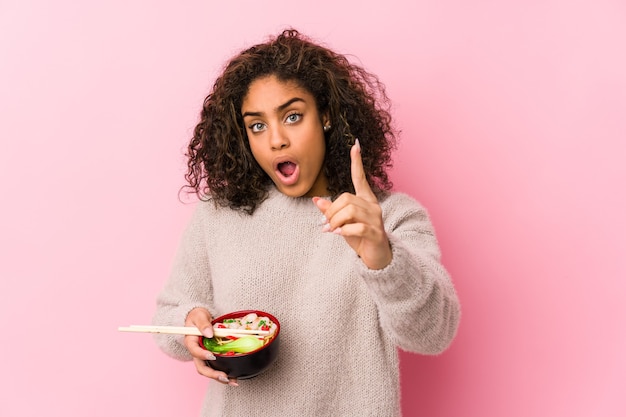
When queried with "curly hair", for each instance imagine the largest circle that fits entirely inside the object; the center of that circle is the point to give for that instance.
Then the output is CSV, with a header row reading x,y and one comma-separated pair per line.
x,y
220,163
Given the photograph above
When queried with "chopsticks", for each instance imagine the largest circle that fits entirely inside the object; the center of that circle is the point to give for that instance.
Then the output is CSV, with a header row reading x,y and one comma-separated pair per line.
x,y
191,331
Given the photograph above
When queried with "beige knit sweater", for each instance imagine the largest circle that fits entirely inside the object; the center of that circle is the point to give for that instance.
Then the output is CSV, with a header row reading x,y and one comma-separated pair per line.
x,y
341,323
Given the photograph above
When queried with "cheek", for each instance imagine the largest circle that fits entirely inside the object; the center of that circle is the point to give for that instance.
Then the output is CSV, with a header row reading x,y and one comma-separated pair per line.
x,y
320,149
255,151
258,157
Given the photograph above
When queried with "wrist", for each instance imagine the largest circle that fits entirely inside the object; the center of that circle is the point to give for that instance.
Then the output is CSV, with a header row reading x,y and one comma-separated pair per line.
x,y
382,258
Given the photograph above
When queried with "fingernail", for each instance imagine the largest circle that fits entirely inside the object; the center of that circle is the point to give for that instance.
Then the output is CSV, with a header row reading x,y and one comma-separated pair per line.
x,y
324,220
233,384
358,144
207,332
222,378
326,227
337,231
210,356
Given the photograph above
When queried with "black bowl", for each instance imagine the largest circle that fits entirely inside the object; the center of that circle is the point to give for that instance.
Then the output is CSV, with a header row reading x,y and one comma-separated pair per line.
x,y
247,365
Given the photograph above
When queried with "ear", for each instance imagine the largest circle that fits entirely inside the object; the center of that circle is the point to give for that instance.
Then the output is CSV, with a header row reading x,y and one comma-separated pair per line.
x,y
325,119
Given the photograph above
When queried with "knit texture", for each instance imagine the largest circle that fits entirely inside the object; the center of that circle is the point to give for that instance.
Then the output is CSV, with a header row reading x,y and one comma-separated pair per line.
x,y
341,323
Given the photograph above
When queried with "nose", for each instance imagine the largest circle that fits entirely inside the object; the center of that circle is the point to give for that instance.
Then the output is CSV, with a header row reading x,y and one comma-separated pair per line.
x,y
278,139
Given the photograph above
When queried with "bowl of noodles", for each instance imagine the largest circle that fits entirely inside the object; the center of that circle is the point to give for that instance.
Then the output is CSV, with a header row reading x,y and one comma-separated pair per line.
x,y
245,344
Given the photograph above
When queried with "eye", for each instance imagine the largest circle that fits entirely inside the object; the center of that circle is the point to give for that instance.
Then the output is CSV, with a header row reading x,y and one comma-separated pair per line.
x,y
256,127
293,118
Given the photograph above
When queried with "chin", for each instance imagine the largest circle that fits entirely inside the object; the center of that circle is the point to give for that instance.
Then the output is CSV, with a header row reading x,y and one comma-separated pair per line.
x,y
294,192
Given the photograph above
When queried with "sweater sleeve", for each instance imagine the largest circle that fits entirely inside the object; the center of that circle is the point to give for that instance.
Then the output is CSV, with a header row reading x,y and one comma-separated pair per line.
x,y
188,287
417,303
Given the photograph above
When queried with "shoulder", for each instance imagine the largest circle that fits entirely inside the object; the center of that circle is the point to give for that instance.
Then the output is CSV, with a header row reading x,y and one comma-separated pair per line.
x,y
209,212
275,203
397,201
400,208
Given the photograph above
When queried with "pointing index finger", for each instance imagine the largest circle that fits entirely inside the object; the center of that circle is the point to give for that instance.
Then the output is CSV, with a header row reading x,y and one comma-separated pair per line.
x,y
359,180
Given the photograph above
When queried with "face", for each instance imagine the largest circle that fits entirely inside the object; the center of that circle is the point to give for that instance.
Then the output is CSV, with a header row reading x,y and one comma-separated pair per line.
x,y
286,136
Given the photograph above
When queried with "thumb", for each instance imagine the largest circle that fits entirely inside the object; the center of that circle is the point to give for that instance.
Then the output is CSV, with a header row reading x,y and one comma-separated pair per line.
x,y
201,319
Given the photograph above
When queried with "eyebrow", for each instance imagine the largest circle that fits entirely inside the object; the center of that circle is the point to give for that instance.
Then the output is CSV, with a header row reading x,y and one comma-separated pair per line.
x,y
277,109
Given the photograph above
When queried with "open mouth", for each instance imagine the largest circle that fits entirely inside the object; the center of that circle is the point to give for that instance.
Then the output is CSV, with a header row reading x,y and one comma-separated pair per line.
x,y
286,168
287,172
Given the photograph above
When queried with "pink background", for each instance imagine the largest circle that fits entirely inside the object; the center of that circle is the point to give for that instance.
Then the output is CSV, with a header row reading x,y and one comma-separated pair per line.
x,y
514,136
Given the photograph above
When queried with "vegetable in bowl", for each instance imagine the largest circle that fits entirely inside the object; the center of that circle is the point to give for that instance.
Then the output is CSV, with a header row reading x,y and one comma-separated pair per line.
x,y
243,344
246,343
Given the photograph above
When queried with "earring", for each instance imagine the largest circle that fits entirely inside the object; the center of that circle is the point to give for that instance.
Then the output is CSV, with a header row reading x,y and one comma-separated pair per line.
x,y
326,128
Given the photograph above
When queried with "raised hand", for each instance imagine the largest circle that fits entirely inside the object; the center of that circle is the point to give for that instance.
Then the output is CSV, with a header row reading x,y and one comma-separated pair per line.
x,y
358,217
